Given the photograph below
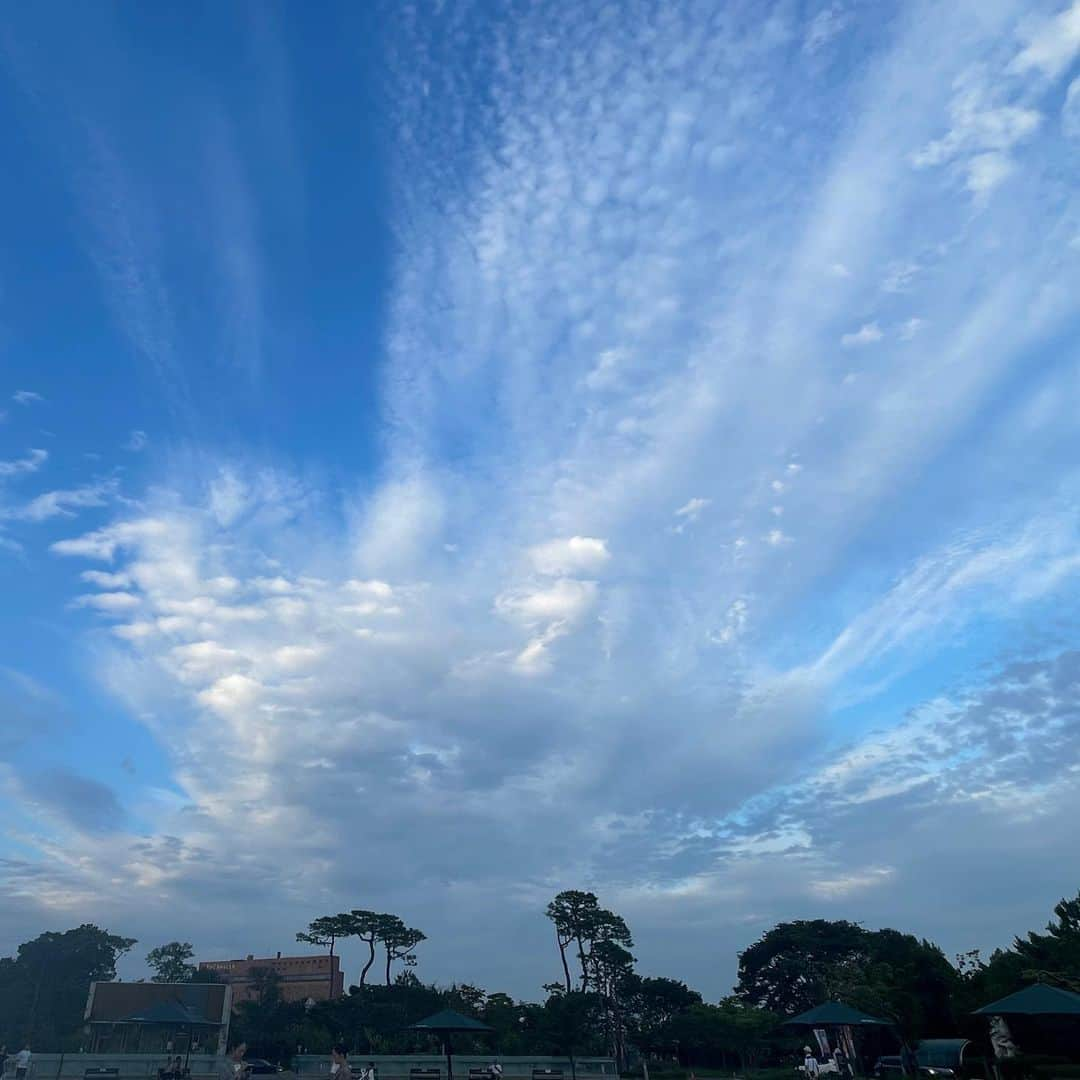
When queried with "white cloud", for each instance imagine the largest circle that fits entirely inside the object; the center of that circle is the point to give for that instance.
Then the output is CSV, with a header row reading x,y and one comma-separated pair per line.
x,y
838,269
606,373
136,441
867,334
575,554
690,511
1070,110
112,603
911,327
26,397
857,881
31,463
566,600
105,580
900,276
987,171
228,497
291,668
64,503
1052,44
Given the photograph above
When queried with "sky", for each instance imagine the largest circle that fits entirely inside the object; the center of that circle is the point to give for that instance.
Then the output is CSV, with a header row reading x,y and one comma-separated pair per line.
x,y
456,451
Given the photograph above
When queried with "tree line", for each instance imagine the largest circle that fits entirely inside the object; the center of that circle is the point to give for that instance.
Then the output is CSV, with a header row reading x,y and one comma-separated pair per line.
x,y
599,1004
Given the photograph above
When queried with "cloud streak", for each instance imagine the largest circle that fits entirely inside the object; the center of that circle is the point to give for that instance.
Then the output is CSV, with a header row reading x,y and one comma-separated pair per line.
x,y
645,593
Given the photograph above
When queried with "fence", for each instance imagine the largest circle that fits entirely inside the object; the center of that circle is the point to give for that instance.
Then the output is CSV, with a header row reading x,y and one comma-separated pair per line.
x,y
475,1066
111,1066
317,1067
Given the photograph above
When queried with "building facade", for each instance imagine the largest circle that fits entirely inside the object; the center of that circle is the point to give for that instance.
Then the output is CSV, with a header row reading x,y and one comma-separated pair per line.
x,y
298,977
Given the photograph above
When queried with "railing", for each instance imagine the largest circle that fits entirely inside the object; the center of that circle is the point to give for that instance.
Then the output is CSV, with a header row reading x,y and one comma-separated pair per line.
x,y
407,1066
317,1066
112,1066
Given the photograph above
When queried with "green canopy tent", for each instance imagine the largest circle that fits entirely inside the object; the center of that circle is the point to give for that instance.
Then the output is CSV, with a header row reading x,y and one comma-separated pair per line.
x,y
1039,999
1042,1016
836,1014
446,1023
174,1014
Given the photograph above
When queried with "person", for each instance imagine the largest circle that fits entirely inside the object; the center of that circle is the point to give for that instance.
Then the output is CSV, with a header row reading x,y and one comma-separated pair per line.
x,y
234,1067
495,1071
178,1069
842,1064
23,1060
339,1063
909,1063
368,1071
810,1063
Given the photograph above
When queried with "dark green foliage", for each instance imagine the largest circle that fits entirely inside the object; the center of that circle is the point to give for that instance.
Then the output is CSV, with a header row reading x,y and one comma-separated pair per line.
x,y
886,973
171,963
43,989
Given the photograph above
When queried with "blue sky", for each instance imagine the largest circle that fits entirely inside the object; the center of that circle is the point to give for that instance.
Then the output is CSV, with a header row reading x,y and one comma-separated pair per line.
x,y
451,452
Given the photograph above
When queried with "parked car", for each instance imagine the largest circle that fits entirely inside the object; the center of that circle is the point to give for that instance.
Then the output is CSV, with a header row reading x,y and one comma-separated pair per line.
x,y
938,1058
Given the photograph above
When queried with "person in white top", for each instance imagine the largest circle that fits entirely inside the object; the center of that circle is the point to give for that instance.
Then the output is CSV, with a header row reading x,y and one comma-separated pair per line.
x,y
810,1063
22,1062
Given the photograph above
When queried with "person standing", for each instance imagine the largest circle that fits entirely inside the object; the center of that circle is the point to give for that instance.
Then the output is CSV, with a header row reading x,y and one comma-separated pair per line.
x,y
843,1067
909,1062
23,1061
810,1063
339,1062
234,1067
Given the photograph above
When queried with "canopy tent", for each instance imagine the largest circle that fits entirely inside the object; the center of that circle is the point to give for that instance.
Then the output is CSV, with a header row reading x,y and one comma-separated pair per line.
x,y
166,1012
446,1023
1035,1000
175,1014
834,1014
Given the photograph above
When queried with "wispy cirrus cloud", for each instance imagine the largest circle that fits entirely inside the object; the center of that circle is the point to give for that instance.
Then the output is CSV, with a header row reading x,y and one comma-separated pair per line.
x,y
31,463
615,312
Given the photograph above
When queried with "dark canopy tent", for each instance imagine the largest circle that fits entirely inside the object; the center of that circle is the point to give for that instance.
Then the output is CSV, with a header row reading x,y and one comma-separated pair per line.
x,y
174,1014
1036,1000
1040,1018
446,1023
834,1014
165,1012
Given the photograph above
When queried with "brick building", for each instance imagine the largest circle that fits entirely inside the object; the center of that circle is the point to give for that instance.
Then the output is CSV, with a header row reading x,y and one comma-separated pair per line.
x,y
299,977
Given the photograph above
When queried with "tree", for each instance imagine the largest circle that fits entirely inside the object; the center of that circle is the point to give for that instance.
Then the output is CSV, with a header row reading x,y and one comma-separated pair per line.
x,y
266,984
579,919
609,941
785,970
798,965
571,911
398,942
712,1034
325,930
651,1005
611,971
1055,955
568,1022
170,963
43,988
365,925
